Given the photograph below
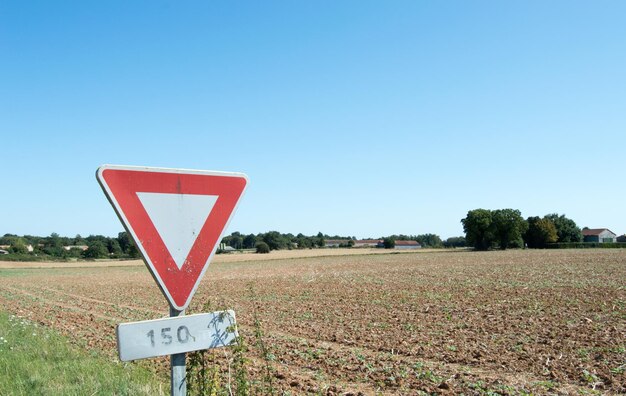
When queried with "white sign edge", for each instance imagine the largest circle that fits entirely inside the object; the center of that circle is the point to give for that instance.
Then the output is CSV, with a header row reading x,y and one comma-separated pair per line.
x,y
127,226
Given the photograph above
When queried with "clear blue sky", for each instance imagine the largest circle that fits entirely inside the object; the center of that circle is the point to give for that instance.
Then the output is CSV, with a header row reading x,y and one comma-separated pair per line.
x,y
352,117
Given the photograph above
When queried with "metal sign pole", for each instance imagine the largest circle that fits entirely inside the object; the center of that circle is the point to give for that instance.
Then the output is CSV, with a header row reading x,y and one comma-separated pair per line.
x,y
178,378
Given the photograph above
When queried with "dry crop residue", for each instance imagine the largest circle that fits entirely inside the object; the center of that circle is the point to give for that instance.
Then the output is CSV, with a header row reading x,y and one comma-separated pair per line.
x,y
546,322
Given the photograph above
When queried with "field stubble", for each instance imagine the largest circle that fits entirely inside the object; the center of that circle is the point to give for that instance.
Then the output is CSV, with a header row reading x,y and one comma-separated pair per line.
x,y
547,322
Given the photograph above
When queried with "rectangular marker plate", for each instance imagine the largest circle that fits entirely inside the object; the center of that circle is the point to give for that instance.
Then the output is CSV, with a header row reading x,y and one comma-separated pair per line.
x,y
168,336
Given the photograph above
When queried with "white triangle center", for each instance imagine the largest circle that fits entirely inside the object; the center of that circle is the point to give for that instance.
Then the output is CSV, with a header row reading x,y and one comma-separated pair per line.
x,y
178,219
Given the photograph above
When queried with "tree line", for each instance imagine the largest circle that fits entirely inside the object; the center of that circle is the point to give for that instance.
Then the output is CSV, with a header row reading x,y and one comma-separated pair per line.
x,y
506,228
59,247
484,229
277,241
430,240
274,240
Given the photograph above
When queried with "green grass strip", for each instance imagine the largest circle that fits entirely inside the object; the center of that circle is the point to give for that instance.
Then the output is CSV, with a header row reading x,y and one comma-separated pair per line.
x,y
37,361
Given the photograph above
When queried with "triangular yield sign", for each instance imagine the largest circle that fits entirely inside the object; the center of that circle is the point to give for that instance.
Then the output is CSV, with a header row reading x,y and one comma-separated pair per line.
x,y
176,217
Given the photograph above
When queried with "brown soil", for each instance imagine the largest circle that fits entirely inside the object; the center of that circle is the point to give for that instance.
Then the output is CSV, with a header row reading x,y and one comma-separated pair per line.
x,y
546,322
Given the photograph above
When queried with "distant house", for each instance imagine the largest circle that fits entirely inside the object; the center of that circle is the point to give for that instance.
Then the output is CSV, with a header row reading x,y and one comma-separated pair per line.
x,y
367,242
81,247
224,248
335,242
29,248
408,245
621,238
601,235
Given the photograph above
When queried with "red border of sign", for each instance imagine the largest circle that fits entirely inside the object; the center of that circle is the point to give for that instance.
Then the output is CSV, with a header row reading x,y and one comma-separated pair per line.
x,y
121,183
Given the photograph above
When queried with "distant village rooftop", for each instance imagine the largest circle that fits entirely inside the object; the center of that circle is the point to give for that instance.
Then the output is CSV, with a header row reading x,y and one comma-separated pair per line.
x,y
595,231
600,235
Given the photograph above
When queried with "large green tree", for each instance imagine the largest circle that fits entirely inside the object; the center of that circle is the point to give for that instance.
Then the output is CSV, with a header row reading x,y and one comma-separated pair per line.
x,y
53,245
275,240
113,246
262,247
321,241
124,241
249,241
19,246
455,242
128,245
8,239
96,249
479,229
540,232
389,243
304,242
234,240
509,227
429,240
566,229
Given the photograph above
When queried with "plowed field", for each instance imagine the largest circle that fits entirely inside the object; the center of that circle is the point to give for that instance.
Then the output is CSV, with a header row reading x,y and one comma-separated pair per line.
x,y
514,322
